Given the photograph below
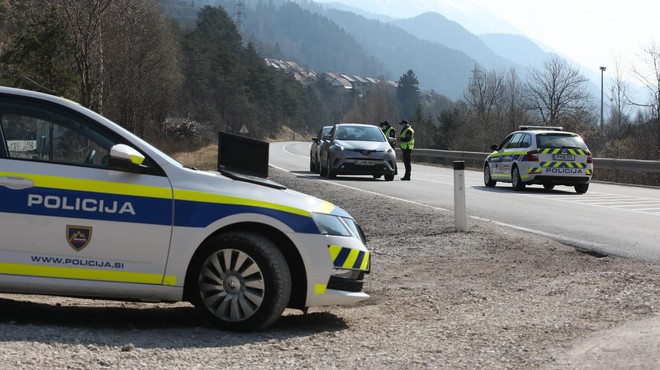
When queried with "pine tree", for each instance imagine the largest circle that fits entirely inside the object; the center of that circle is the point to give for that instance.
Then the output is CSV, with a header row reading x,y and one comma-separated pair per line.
x,y
408,94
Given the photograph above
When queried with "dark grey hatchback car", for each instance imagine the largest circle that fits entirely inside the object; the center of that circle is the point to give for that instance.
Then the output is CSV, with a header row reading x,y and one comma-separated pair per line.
x,y
357,149
315,148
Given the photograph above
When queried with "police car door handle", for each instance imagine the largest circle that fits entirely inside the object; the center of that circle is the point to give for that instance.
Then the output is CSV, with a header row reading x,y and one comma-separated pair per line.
x,y
16,183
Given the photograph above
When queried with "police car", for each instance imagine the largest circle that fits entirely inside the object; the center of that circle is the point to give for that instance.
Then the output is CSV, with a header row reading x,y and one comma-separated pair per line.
x,y
90,210
540,155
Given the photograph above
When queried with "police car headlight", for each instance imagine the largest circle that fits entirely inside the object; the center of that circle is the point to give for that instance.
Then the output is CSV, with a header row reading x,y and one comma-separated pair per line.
x,y
331,225
339,226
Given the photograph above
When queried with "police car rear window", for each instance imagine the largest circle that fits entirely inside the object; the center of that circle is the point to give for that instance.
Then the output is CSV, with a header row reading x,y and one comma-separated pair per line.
x,y
560,141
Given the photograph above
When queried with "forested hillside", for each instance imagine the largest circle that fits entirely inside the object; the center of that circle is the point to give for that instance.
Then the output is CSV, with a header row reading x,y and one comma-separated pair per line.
x,y
439,68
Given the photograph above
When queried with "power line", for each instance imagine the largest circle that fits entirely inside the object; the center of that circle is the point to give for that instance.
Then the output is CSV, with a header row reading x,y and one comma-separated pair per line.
x,y
239,14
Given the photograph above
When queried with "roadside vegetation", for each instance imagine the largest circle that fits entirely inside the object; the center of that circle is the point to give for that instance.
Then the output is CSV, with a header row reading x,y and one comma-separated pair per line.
x,y
178,83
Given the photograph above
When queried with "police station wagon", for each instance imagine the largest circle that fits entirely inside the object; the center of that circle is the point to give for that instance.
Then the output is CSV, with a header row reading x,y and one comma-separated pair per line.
x,y
90,210
540,155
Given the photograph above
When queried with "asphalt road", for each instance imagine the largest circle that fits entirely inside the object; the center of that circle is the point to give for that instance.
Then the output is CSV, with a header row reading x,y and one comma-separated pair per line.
x,y
608,219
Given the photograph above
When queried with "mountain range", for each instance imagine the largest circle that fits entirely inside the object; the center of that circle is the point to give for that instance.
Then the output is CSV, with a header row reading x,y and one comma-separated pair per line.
x,y
351,36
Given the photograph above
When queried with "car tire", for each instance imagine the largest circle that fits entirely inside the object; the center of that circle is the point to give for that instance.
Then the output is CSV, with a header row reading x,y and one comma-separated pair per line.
x,y
581,188
312,166
516,181
389,177
488,180
548,186
321,168
239,281
329,172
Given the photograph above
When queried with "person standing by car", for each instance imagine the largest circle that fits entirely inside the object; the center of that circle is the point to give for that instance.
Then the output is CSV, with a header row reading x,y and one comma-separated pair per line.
x,y
390,132
407,144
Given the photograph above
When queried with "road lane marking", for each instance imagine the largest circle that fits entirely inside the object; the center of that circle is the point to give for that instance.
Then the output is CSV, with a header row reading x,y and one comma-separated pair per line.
x,y
577,243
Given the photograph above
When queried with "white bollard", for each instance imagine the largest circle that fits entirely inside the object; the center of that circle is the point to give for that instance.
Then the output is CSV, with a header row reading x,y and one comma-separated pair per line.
x,y
460,217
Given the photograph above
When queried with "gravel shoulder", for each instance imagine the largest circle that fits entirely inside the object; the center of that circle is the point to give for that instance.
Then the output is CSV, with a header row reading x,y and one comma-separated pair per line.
x,y
491,297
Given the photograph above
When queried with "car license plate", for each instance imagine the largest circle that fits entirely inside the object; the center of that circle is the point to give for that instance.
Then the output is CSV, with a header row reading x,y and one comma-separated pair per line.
x,y
563,157
365,163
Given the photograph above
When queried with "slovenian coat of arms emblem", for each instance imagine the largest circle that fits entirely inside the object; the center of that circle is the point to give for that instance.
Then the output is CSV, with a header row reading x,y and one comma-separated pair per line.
x,y
78,237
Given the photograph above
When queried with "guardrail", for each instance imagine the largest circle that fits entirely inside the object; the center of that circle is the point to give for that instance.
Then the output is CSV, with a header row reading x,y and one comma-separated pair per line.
x,y
599,163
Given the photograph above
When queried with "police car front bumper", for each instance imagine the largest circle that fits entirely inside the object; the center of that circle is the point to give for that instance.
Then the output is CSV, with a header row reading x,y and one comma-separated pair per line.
x,y
363,167
336,267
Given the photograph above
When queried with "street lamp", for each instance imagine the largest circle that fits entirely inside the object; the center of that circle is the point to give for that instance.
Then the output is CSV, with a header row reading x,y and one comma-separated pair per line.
x,y
602,69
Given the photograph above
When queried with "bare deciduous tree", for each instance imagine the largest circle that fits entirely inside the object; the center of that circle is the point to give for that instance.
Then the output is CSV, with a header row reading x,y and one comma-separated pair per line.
x,y
620,106
556,92
495,107
141,74
515,114
650,78
484,97
375,105
82,20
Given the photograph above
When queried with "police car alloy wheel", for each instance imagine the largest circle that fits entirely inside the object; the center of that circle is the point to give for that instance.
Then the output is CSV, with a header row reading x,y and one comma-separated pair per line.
x,y
240,281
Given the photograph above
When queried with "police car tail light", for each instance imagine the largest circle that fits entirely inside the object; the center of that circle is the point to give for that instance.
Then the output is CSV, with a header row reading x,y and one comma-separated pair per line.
x,y
590,158
533,156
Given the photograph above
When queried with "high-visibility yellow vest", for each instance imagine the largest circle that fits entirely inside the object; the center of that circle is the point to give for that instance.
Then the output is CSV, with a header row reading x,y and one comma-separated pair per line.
x,y
389,132
407,144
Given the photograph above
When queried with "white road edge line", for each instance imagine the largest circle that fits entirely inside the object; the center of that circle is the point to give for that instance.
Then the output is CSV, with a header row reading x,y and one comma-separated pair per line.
x,y
573,242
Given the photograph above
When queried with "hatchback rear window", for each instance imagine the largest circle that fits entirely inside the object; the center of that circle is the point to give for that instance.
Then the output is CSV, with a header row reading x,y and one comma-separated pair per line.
x,y
560,141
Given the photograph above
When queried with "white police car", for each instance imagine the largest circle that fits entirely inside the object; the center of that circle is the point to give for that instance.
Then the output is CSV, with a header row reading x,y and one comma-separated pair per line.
x,y
90,210
540,155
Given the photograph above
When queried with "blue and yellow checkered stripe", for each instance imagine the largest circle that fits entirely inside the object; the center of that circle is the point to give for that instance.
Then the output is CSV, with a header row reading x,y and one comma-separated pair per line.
x,y
563,165
562,151
539,170
348,258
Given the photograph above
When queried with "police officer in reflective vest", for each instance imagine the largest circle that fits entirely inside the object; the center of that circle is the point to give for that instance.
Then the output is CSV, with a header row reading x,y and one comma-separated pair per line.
x,y
407,144
390,135
389,132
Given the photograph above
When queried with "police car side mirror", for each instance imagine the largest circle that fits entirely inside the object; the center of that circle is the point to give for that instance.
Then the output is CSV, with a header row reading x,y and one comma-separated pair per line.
x,y
123,157
493,147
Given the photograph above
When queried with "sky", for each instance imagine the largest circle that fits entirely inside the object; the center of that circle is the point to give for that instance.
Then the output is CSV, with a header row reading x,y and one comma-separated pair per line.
x,y
593,33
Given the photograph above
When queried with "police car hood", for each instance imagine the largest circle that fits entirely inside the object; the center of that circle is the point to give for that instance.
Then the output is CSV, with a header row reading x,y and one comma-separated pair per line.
x,y
217,186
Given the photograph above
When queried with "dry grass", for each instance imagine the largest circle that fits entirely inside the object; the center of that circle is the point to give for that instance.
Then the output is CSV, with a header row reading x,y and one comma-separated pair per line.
x,y
205,158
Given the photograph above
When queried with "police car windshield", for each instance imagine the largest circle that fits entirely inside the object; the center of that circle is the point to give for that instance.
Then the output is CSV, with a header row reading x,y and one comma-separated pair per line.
x,y
560,141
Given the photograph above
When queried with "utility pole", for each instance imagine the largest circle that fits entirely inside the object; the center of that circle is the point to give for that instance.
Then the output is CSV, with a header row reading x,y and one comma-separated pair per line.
x,y
602,70
239,14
